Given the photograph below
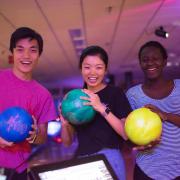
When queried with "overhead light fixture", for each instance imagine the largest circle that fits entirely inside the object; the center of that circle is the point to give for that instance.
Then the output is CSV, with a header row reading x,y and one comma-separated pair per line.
x,y
161,32
78,40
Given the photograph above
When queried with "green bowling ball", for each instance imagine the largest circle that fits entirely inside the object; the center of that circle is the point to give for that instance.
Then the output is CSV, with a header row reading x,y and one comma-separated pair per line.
x,y
73,109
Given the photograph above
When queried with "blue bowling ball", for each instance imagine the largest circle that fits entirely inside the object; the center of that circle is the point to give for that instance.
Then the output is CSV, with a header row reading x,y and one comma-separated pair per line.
x,y
15,124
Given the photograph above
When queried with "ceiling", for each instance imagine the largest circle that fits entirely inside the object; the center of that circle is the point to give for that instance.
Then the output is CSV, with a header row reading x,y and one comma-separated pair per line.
x,y
67,26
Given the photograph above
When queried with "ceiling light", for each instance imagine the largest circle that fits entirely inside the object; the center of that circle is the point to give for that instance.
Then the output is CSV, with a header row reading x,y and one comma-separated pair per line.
x,y
161,32
78,40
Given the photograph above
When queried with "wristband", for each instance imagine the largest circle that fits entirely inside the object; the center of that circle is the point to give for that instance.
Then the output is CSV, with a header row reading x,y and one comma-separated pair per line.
x,y
106,112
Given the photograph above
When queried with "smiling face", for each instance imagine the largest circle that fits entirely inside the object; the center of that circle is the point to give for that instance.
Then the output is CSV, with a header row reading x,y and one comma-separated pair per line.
x,y
25,54
152,62
93,71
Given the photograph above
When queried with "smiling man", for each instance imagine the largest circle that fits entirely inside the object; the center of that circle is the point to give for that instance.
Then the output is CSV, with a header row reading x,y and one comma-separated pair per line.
x,y
19,89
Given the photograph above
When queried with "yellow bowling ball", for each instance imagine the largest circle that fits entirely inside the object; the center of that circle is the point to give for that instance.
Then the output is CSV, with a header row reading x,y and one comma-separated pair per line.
x,y
143,126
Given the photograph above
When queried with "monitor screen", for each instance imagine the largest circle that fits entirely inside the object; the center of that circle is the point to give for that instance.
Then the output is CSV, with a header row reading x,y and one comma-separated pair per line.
x,y
89,168
2,177
5,173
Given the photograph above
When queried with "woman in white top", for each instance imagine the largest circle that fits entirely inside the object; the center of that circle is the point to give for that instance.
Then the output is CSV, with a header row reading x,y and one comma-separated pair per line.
x,y
163,97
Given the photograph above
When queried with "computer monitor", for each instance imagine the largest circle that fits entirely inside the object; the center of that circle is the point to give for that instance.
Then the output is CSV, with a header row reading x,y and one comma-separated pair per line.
x,y
6,174
94,167
3,177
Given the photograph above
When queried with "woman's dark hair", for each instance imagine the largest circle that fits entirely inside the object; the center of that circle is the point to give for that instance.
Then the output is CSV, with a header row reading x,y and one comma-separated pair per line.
x,y
94,51
154,44
25,32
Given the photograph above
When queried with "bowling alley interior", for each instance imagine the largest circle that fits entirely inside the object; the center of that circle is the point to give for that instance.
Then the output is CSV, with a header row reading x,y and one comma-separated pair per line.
x,y
67,27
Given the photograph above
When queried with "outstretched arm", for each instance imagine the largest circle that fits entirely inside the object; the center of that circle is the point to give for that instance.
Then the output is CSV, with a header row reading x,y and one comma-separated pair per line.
x,y
116,123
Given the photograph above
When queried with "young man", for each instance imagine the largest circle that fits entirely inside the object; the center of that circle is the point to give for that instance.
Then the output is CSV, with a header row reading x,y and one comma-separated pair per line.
x,y
162,96
19,89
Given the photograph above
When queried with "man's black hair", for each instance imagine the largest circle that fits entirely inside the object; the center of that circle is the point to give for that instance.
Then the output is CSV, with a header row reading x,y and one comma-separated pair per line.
x,y
25,32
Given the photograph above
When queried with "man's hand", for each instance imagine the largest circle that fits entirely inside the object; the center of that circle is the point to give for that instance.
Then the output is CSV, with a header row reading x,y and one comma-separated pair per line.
x,y
34,132
4,143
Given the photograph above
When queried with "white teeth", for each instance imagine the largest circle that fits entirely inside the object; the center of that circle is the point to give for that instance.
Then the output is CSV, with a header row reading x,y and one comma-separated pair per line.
x,y
152,69
26,62
92,78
